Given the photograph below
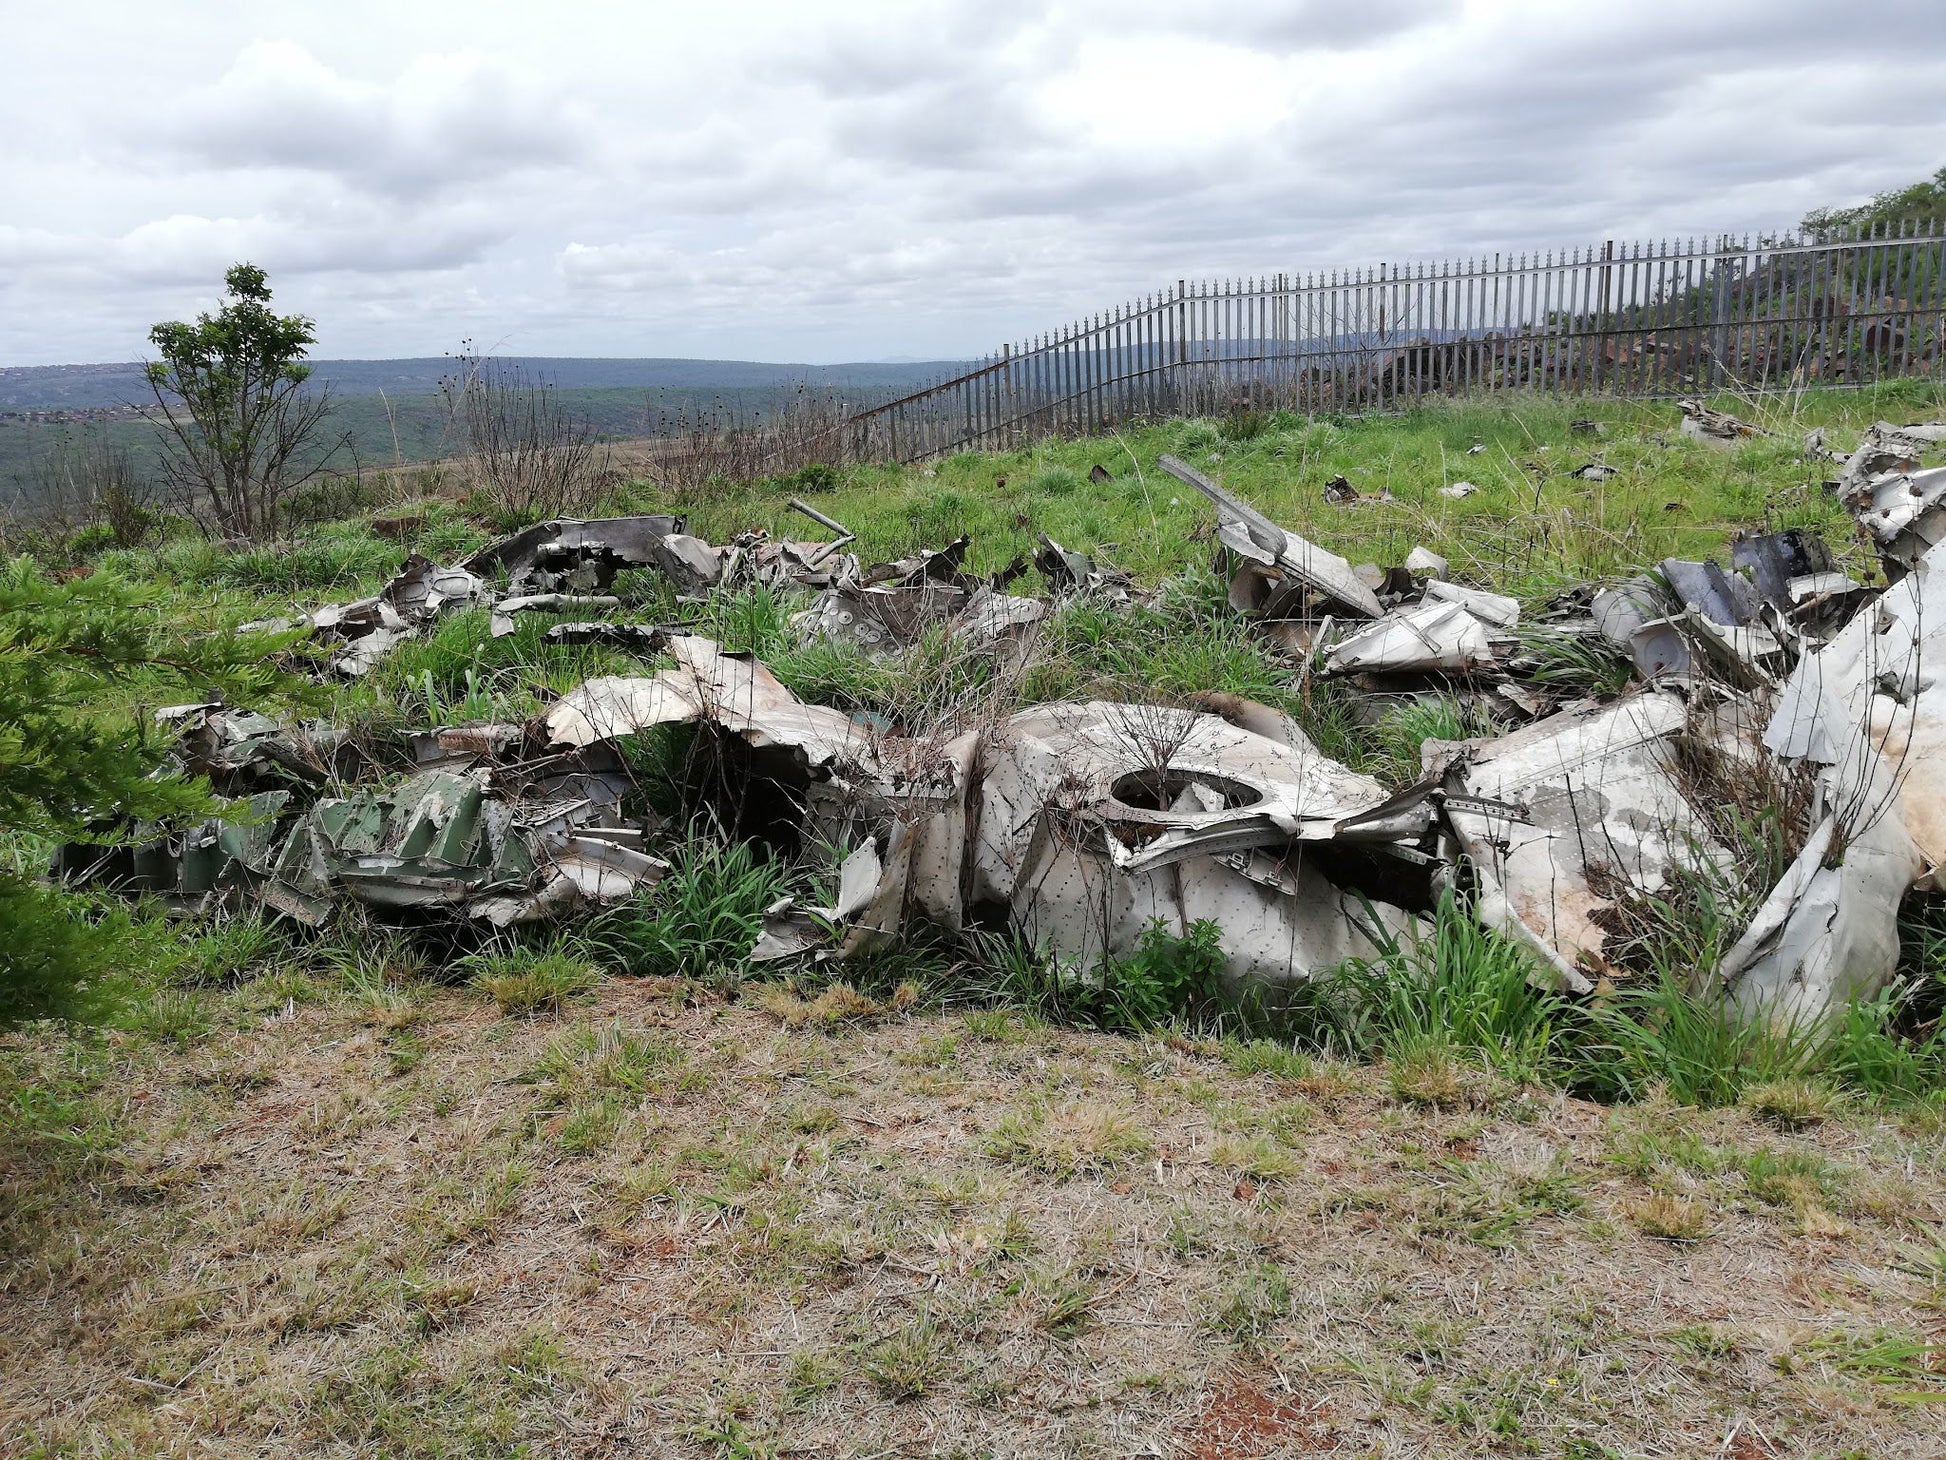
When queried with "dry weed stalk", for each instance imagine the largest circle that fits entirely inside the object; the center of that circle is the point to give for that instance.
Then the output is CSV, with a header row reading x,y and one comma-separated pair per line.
x,y
716,445
532,457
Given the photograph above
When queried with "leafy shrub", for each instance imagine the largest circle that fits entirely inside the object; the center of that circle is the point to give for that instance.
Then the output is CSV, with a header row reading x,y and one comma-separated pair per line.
x,y
68,652
815,477
331,499
95,538
52,955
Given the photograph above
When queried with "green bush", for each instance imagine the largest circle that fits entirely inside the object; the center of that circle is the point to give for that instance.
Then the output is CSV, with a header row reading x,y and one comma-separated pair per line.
x,y
53,955
75,660
815,477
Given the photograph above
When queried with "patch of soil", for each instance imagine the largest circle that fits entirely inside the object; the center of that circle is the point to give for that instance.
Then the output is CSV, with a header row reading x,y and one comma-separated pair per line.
x,y
1242,1422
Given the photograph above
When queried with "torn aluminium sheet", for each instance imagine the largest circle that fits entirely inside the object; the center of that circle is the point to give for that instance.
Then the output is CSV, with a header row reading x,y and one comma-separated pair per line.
x,y
367,630
501,843
1694,618
1075,824
1905,513
1870,706
572,555
1560,812
440,841
1273,558
894,604
1452,630
1086,832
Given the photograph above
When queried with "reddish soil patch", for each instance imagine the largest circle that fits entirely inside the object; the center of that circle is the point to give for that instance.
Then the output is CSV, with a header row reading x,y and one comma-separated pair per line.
x,y
1242,1422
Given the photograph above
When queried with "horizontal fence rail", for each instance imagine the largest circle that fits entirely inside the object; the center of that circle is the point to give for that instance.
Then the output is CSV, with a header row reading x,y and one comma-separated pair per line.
x,y
1646,320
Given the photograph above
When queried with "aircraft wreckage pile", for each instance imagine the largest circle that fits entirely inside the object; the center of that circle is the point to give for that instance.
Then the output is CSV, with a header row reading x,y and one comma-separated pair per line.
x,y
1079,824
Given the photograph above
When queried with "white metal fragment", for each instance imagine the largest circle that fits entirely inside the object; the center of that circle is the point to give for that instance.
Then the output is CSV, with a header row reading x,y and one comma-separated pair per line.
x,y
1495,609
1432,636
1422,563
1595,802
502,622
1256,537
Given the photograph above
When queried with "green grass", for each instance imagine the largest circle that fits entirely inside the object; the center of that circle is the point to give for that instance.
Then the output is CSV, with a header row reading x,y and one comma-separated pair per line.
x,y
531,980
1453,993
701,921
1457,987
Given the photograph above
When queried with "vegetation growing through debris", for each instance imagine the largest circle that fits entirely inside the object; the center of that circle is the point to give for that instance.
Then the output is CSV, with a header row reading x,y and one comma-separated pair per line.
x,y
619,1106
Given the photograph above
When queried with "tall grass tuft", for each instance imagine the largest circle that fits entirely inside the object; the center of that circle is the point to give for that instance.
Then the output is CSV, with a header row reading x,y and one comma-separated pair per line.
x,y
1397,737
1457,986
1694,1045
702,919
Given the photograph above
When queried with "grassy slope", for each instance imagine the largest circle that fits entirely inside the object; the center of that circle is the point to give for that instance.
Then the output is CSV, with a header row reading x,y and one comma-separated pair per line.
x,y
309,1198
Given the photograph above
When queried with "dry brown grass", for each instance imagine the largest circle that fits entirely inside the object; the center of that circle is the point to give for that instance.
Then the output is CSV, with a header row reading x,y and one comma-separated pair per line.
x,y
666,1225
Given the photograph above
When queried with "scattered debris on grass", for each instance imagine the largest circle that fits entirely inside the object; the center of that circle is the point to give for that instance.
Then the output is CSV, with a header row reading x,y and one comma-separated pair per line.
x,y
1080,827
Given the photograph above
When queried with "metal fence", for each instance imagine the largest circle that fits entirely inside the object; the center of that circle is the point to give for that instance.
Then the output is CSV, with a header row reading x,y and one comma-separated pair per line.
x,y
1635,319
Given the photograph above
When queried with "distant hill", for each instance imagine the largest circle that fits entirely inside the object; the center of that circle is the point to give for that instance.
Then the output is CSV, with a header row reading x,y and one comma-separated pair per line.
x,y
394,412
104,386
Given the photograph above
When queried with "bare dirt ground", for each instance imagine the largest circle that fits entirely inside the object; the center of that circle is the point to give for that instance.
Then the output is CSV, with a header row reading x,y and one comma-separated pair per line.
x,y
663,1224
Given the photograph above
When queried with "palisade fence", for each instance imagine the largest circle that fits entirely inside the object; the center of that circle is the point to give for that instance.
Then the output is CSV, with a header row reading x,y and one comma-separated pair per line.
x,y
1635,319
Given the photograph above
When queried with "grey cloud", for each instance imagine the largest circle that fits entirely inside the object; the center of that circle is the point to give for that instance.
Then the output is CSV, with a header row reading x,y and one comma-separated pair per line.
x,y
887,179
1283,25
445,119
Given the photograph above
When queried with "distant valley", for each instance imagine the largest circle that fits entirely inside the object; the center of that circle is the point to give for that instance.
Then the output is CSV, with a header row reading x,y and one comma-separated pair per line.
x,y
394,411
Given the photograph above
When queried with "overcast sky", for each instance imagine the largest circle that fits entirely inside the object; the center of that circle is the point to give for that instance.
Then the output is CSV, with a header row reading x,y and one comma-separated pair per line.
x,y
844,181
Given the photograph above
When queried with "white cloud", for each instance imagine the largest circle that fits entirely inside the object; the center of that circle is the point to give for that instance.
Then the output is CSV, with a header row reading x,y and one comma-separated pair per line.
x,y
756,178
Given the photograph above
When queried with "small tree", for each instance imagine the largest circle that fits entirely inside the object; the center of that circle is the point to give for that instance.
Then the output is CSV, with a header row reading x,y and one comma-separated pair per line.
x,y
81,665
241,432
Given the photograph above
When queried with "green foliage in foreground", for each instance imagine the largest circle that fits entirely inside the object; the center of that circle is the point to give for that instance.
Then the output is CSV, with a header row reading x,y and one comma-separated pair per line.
x,y
1454,990
703,917
81,663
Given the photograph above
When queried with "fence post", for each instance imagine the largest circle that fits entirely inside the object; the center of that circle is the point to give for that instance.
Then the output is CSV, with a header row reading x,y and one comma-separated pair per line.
x,y
1720,313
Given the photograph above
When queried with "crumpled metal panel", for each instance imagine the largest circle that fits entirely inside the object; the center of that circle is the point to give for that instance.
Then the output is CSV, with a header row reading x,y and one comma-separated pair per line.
x,y
1590,799
1061,841
732,691
628,539
1255,537
1876,694
1431,637
469,836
